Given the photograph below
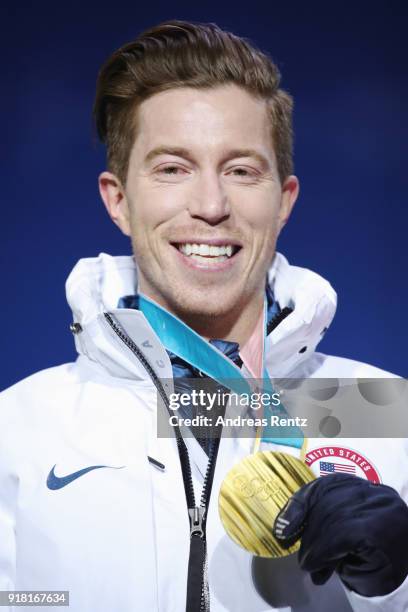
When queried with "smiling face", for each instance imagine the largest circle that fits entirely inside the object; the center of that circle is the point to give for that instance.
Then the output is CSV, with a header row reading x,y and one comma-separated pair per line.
x,y
203,203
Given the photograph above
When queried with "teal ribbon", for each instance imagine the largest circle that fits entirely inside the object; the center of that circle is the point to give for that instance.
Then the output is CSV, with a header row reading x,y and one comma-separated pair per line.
x,y
184,342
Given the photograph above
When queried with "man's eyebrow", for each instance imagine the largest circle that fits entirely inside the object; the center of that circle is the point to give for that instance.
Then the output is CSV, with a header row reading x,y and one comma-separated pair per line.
x,y
182,152
164,149
248,153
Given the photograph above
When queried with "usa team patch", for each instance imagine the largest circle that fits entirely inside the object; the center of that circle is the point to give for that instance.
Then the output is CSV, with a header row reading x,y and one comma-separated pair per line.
x,y
341,460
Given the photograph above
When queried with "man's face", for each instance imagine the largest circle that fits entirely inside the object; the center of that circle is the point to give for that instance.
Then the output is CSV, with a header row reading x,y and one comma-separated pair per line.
x,y
203,202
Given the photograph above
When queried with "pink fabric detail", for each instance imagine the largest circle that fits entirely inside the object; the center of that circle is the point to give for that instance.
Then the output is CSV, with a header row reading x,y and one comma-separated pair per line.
x,y
251,352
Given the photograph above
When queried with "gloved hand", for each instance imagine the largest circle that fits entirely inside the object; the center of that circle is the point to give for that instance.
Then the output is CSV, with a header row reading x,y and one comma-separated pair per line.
x,y
351,526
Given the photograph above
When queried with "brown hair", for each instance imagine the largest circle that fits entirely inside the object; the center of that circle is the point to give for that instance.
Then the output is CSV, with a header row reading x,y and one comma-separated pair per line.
x,y
183,54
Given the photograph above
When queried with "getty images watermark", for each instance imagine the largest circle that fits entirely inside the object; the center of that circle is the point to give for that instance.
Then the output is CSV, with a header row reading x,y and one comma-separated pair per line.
x,y
216,402
314,407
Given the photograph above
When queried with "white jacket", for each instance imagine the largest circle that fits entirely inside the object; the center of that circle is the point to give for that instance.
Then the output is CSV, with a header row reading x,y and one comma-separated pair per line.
x,y
118,539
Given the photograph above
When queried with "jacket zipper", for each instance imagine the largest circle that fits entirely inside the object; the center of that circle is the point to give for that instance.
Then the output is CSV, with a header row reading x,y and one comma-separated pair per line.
x,y
197,514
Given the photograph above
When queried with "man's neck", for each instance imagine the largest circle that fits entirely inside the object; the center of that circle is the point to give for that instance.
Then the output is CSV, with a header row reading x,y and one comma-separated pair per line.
x,y
237,326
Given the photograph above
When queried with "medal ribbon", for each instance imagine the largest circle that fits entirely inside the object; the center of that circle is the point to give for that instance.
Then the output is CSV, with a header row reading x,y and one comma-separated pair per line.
x,y
180,339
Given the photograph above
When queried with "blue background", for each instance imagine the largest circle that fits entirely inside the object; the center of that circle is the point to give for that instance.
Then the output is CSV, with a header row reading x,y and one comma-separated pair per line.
x,y
345,64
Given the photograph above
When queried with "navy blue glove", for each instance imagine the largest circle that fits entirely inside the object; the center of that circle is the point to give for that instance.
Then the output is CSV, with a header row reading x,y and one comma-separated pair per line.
x,y
351,526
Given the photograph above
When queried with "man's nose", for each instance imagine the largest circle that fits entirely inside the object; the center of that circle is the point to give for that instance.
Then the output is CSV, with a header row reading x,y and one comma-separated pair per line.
x,y
209,200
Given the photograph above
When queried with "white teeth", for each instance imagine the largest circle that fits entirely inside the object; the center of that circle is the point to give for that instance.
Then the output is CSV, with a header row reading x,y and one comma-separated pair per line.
x,y
206,250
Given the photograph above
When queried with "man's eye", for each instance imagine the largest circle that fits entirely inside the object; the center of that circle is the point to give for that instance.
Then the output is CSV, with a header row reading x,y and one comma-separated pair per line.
x,y
169,170
244,172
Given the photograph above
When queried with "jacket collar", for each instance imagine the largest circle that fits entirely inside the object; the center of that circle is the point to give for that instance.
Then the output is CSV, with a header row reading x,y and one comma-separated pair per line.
x,y
95,286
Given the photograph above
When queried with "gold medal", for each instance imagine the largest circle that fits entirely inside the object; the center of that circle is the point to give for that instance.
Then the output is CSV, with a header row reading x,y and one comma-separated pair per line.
x,y
252,495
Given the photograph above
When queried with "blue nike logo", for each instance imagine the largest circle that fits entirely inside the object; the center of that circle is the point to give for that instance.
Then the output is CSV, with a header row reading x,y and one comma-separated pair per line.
x,y
57,482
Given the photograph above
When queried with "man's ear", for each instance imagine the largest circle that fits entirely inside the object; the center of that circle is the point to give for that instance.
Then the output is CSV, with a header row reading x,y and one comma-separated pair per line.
x,y
114,198
290,192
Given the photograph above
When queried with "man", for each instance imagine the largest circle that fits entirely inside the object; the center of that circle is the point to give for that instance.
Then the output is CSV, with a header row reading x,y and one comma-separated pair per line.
x,y
92,500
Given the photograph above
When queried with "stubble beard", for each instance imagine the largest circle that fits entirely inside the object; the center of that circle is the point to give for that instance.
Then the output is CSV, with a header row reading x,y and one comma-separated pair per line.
x,y
208,315
204,308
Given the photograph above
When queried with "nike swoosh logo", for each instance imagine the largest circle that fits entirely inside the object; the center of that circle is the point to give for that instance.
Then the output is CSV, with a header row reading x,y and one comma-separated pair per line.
x,y
55,482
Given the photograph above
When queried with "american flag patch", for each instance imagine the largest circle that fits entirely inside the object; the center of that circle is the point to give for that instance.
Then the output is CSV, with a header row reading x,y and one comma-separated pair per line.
x,y
330,468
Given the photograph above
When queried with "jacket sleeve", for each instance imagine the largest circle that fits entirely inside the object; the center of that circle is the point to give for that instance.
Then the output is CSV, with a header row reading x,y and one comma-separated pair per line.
x,y
397,600
8,496
7,533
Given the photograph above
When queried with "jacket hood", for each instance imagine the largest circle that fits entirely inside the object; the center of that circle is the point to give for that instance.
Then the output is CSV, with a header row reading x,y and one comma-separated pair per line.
x,y
96,284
